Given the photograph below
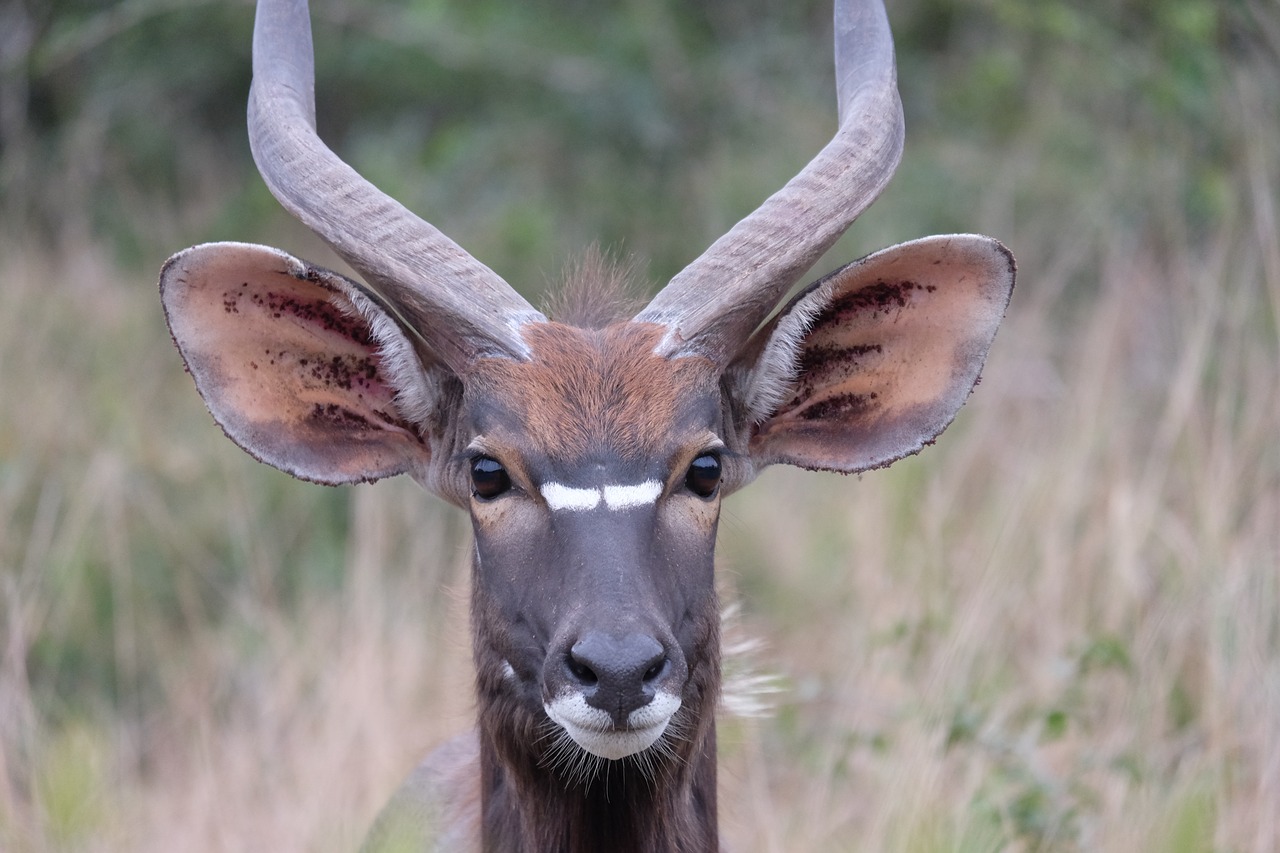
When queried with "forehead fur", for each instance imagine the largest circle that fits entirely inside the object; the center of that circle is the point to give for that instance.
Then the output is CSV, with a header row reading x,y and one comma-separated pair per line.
x,y
588,391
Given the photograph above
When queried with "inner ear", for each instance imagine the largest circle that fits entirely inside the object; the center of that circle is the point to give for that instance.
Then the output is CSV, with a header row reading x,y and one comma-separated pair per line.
x,y
295,365
872,362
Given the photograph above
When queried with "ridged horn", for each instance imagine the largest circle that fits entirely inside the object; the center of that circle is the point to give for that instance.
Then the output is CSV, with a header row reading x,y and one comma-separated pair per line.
x,y
454,306
716,302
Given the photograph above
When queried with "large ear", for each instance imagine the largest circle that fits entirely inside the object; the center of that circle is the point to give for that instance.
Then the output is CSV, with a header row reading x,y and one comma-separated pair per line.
x,y
296,365
872,362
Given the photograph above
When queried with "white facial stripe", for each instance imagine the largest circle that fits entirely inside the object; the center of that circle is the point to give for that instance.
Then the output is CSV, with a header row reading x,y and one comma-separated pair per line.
x,y
625,497
561,497
567,497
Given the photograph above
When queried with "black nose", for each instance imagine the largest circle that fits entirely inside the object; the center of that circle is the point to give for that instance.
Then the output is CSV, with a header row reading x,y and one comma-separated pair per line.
x,y
617,674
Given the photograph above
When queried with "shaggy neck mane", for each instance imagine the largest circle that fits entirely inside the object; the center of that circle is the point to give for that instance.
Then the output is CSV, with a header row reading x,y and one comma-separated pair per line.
x,y
624,807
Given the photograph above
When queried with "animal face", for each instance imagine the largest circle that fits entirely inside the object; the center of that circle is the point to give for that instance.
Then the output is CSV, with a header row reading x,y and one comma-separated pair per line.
x,y
594,502
592,460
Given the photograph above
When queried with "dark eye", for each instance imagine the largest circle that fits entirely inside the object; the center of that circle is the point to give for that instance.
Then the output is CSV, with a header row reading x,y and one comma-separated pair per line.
x,y
488,478
704,475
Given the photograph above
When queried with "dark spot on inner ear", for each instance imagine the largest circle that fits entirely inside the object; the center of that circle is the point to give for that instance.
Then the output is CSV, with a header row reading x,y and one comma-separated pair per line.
x,y
815,359
315,312
343,371
839,406
339,416
824,365
880,296
332,415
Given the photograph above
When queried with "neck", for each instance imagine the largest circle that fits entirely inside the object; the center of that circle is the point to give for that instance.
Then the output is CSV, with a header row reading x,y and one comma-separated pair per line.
x,y
666,805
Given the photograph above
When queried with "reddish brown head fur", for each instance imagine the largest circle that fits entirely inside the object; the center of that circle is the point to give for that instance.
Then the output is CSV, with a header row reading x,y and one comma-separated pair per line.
x,y
588,392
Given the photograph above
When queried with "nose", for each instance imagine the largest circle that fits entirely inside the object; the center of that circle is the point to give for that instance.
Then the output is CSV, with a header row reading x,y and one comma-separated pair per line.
x,y
617,674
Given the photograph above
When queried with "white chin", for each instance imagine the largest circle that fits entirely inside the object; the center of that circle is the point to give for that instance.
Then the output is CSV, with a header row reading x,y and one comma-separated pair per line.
x,y
616,744
593,730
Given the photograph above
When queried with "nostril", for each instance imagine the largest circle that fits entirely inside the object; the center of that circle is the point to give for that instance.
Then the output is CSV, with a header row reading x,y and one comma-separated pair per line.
x,y
656,670
615,673
584,674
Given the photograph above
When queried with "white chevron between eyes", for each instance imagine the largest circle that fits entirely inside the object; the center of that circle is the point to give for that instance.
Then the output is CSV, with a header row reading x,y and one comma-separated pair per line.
x,y
561,497
625,497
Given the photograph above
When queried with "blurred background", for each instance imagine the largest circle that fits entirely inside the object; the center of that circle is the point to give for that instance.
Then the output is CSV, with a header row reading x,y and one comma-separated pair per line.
x,y
1057,630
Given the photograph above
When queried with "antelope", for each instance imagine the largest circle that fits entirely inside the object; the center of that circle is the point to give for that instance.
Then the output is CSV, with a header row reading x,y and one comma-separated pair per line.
x,y
591,450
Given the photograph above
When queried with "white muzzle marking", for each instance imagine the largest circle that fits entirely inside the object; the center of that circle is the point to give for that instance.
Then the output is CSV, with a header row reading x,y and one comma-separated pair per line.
x,y
593,729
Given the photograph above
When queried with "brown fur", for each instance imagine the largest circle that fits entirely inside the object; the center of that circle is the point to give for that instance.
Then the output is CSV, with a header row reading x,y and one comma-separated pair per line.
x,y
596,291
597,390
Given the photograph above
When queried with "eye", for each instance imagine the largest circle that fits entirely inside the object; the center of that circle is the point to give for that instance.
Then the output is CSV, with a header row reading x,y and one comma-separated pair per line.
x,y
704,475
488,478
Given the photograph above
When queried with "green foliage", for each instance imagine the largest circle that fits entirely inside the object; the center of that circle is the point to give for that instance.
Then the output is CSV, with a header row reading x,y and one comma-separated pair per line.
x,y
1189,826
73,786
528,130
1128,106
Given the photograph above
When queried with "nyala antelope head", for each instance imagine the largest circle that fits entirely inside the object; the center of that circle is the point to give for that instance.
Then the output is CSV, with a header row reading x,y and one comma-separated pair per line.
x,y
592,456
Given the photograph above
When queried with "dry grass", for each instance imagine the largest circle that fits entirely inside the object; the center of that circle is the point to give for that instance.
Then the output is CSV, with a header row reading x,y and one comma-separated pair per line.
x,y
1061,629
1057,630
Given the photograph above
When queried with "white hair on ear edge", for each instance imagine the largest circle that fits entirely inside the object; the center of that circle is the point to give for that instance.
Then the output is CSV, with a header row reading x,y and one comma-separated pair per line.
x,y
404,371
415,395
770,378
